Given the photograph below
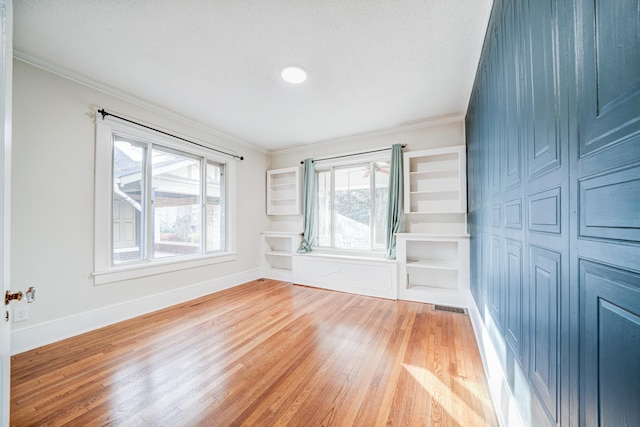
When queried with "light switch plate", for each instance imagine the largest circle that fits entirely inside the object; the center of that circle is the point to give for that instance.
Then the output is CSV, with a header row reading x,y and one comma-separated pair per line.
x,y
20,313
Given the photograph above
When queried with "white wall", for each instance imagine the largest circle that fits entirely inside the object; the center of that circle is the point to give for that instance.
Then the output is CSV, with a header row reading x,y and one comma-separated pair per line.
x,y
52,205
437,133
52,212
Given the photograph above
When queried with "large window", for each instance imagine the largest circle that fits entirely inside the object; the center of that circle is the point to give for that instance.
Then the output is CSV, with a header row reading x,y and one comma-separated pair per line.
x,y
164,216
165,202
352,205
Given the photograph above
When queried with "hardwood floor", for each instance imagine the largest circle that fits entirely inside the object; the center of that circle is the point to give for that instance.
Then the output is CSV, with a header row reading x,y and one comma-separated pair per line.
x,y
265,353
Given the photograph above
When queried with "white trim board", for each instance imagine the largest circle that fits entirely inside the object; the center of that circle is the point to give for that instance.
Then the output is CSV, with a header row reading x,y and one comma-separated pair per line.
x,y
504,402
49,332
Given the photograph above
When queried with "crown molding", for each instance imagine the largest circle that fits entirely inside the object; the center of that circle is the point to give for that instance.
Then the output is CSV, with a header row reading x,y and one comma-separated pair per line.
x,y
125,96
140,102
406,127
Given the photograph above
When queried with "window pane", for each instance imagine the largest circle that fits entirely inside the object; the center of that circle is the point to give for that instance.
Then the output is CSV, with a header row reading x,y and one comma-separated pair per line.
x,y
176,204
324,208
215,208
381,202
352,207
127,229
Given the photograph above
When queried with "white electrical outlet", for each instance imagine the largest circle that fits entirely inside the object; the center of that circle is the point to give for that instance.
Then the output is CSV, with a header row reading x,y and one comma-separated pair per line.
x,y
20,313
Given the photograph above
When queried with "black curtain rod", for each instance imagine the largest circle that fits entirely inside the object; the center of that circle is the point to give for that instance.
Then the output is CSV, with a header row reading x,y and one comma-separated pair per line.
x,y
354,154
104,114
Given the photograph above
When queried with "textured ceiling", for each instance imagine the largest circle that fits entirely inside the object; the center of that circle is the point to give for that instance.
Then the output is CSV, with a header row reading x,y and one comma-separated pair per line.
x,y
372,64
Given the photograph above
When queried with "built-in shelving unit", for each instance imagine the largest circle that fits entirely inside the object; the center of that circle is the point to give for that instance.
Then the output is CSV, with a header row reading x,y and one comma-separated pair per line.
x,y
435,180
433,268
283,191
278,248
434,264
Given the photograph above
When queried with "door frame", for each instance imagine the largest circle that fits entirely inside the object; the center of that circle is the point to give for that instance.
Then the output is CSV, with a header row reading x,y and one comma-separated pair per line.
x,y
6,69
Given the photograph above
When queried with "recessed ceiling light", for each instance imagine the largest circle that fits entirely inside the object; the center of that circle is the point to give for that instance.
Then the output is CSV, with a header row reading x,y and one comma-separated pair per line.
x,y
294,75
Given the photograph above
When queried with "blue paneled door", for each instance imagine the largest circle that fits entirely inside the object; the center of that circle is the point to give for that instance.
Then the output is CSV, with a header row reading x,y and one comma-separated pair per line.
x,y
606,208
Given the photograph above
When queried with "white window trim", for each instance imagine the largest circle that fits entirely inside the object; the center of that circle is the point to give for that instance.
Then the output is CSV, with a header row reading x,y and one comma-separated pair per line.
x,y
104,271
347,160
351,159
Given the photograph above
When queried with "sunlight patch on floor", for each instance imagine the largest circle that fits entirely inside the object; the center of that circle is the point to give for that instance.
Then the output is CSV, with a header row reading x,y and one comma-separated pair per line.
x,y
443,394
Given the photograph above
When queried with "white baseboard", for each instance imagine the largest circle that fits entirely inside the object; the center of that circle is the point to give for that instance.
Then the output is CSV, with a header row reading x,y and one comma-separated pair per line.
x,y
456,298
277,274
55,330
502,396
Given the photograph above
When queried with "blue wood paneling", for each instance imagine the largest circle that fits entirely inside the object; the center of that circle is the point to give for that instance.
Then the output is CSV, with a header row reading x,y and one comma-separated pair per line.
x,y
544,273
553,134
495,216
607,173
513,213
515,298
608,79
494,281
610,205
544,147
544,211
611,339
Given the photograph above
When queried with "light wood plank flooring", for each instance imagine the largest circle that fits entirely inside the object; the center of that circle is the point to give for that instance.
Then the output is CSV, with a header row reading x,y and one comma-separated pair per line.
x,y
265,353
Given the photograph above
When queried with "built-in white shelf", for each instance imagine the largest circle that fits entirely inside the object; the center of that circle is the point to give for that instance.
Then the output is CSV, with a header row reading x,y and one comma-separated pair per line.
x,y
433,264
433,268
278,248
283,191
435,180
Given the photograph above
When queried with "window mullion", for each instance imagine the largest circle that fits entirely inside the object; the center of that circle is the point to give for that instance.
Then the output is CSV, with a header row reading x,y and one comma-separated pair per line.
x,y
149,204
332,207
372,204
316,209
203,205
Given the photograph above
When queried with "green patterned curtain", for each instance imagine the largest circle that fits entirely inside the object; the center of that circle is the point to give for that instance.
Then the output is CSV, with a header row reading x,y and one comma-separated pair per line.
x,y
394,209
309,206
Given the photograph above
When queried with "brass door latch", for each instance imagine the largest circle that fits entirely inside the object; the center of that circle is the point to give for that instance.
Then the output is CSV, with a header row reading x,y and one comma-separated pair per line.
x,y
9,296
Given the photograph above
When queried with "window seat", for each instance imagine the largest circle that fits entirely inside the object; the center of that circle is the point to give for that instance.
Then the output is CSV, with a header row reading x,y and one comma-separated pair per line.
x,y
356,273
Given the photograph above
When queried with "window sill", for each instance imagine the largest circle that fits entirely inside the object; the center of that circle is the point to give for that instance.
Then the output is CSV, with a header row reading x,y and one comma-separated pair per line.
x,y
120,273
355,255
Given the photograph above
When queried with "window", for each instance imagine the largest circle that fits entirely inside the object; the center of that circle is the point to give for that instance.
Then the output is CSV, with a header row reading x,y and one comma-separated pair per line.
x,y
352,205
158,202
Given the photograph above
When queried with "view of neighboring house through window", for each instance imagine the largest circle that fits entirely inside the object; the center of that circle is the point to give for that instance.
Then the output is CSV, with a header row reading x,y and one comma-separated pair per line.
x,y
352,205
128,199
158,208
